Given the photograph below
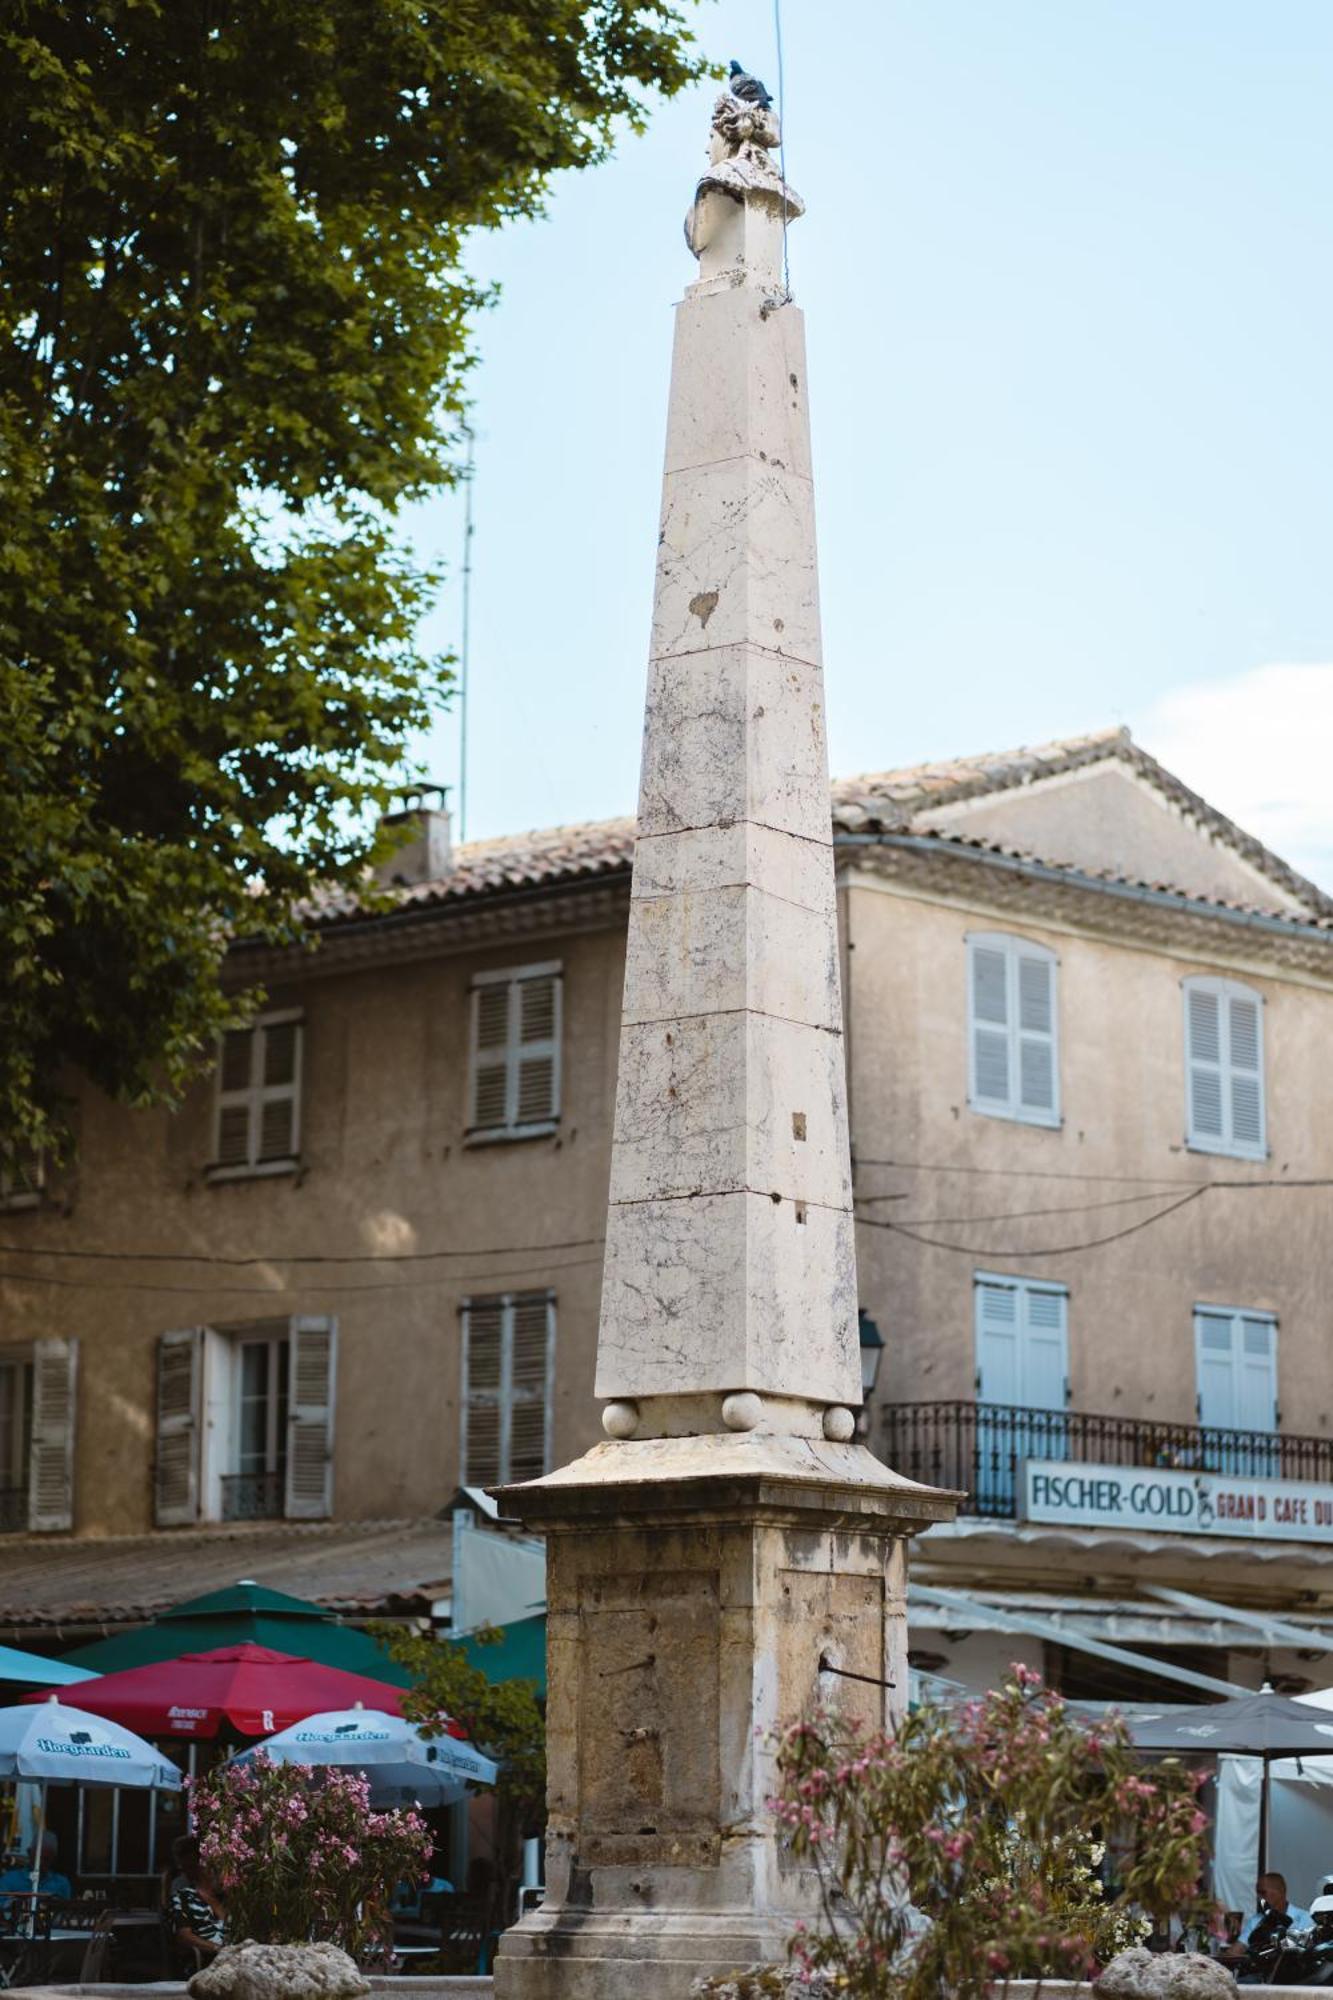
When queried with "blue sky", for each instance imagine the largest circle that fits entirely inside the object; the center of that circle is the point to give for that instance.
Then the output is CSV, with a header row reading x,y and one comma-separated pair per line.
x,y
1069,296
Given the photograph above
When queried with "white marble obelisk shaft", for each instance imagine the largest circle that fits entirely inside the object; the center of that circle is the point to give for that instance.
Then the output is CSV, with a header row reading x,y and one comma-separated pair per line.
x,y
730,1263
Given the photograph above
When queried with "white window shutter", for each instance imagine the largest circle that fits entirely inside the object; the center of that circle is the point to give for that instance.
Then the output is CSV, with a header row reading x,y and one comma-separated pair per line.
x,y
532,1324
1257,1395
1204,1036
179,1391
538,1054
514,1055
991,1080
1244,1034
1045,1349
1036,1033
490,1055
997,1343
312,1376
483,1391
51,1467
1224,1058
279,1087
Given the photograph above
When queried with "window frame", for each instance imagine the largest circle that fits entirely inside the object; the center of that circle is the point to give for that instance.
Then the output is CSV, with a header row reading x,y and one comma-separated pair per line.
x,y
30,1174
1224,991
253,1096
512,977
1013,948
503,1399
1205,1308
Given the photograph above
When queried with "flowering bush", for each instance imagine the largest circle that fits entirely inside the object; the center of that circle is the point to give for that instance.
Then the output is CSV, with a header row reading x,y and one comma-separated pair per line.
x,y
300,1855
964,1851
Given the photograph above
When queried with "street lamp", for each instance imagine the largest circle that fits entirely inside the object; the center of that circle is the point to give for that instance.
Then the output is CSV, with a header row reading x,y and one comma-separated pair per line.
x,y
872,1353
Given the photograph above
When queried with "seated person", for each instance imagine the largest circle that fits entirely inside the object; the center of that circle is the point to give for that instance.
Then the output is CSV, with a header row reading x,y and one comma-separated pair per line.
x,y
195,1905
17,1881
1275,1916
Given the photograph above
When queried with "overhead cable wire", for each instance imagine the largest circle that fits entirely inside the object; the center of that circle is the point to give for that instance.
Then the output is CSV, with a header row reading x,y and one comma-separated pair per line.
x,y
300,1257
1018,1214
1057,1250
207,1289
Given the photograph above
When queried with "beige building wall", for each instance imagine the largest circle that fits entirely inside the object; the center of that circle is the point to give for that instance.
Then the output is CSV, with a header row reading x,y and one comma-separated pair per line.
x,y
1122,1075
384,1169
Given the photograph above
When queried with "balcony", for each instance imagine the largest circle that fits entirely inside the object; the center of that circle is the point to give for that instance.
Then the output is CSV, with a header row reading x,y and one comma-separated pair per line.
x,y
979,1449
253,1496
13,1510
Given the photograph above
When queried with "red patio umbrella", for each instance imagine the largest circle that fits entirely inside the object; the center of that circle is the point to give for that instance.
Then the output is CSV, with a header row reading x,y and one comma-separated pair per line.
x,y
251,1688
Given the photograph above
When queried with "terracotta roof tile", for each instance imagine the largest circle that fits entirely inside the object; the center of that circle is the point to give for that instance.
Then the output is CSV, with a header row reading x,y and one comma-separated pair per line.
x,y
884,801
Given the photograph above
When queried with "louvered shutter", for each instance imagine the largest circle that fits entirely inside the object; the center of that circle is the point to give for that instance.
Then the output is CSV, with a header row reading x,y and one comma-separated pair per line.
x,y
1036,1033
990,1026
529,1350
235,1098
1203,1019
1215,1342
312,1375
1045,1362
483,1367
179,1388
1256,1399
1244,1029
51,1466
490,1055
998,1376
278,1090
538,1049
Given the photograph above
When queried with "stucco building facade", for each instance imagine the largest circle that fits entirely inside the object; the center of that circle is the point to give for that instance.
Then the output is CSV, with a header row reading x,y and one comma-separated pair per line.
x,y
361,1267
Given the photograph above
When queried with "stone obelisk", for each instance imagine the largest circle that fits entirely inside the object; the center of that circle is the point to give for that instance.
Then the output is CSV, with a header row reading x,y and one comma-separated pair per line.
x,y
728,1557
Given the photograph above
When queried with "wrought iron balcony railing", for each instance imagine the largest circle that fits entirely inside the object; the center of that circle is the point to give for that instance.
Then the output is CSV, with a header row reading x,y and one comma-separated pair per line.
x,y
253,1496
977,1448
13,1509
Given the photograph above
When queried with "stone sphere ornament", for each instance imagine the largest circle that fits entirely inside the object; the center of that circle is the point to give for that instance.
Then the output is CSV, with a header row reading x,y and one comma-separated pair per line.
x,y
839,1424
742,1411
620,1420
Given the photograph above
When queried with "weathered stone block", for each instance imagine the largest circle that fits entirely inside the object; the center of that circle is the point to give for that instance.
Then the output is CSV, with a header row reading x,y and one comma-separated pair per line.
x,y
735,734
736,562
720,1102
744,854
729,1291
732,389
713,951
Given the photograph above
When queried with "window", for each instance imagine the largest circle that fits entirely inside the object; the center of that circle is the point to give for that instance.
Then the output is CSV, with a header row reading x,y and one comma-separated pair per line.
x,y
1236,1355
1013,1065
508,1346
1022,1345
245,1422
256,1490
37,1387
514,1073
22,1179
1224,1064
259,1098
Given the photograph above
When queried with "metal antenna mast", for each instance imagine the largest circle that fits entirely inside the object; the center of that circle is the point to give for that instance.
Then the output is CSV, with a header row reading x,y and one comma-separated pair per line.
x,y
464,642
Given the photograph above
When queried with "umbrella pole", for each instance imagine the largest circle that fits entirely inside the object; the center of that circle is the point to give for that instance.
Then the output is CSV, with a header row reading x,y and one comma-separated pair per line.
x,y
1263,1818
36,1876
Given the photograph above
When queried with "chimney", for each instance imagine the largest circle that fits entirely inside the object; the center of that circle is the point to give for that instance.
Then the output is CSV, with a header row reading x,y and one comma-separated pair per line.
x,y
421,837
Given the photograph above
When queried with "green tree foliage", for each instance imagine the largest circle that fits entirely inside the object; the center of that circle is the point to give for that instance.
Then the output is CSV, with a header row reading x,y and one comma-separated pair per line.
x,y
503,1718
234,337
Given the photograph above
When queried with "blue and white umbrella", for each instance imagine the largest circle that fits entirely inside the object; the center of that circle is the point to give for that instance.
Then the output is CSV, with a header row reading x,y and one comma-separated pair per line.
x,y
401,1764
46,1743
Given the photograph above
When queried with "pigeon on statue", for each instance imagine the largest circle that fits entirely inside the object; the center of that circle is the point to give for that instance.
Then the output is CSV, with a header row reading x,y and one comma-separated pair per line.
x,y
748,88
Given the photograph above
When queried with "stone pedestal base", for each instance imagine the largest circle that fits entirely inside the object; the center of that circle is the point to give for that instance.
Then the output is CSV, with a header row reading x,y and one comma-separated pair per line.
x,y
701,1591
